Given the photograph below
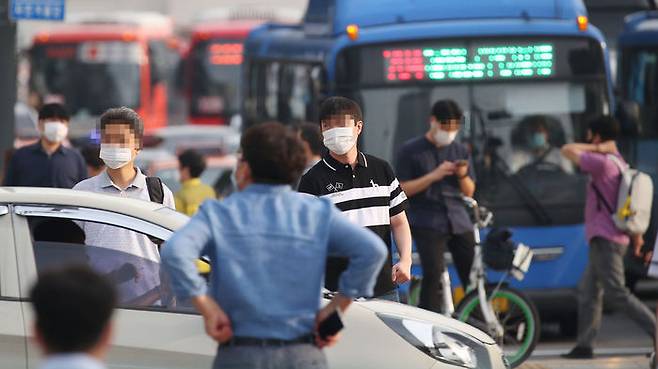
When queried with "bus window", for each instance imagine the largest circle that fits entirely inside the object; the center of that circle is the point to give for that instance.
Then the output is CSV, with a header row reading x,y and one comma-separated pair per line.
x,y
285,92
88,76
215,80
640,79
272,90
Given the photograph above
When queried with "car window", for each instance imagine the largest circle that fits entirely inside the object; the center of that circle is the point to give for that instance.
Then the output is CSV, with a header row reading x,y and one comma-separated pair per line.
x,y
129,259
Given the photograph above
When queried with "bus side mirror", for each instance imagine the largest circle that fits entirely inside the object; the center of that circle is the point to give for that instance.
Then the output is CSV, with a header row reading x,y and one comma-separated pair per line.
x,y
628,114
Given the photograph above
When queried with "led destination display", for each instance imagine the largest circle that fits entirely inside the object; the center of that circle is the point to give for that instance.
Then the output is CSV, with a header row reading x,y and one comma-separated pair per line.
x,y
479,62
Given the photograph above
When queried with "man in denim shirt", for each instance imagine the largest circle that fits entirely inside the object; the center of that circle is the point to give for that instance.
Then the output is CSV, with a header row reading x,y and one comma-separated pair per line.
x,y
268,246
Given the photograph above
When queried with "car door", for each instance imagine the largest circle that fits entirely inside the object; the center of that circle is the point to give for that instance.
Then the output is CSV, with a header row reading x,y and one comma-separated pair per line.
x,y
146,335
12,327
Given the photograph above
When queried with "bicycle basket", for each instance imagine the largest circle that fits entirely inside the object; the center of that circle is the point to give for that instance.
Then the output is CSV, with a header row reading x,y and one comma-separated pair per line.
x,y
498,249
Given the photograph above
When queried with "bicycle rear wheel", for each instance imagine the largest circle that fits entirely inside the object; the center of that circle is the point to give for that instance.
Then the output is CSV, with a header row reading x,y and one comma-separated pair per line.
x,y
515,312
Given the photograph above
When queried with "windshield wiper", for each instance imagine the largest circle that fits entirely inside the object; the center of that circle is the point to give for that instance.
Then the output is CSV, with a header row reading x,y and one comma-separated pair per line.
x,y
529,200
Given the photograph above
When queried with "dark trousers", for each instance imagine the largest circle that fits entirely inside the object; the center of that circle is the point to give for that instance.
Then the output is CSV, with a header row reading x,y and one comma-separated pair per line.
x,y
431,246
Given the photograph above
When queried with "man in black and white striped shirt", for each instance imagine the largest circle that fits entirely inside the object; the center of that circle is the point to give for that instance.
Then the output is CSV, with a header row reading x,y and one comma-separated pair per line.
x,y
364,188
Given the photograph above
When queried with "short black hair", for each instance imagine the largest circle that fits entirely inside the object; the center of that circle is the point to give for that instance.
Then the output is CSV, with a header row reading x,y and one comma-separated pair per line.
x,y
91,154
124,115
443,110
311,134
54,111
73,306
274,153
337,106
194,161
607,127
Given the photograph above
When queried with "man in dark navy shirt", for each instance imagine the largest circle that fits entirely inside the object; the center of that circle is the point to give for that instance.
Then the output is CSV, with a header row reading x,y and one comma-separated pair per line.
x,y
47,163
435,171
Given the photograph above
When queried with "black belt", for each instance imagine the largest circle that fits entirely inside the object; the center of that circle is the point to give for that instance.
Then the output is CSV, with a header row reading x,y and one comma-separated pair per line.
x,y
252,341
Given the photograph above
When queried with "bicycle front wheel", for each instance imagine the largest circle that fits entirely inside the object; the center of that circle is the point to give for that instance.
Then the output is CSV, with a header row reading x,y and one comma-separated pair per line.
x,y
517,315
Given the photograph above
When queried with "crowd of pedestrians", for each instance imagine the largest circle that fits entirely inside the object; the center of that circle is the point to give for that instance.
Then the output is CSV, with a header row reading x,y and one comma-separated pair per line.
x,y
307,197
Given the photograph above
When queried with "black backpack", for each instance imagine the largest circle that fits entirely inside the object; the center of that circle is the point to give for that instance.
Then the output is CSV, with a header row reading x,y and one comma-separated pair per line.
x,y
156,194
156,189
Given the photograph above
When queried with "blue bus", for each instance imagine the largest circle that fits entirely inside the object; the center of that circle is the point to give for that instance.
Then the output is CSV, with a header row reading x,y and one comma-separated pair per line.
x,y
515,67
637,89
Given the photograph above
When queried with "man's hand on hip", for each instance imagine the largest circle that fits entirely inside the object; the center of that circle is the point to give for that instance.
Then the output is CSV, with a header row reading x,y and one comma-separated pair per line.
x,y
217,323
339,302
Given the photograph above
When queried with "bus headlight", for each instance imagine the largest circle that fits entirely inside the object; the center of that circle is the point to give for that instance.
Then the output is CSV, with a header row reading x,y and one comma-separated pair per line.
x,y
443,344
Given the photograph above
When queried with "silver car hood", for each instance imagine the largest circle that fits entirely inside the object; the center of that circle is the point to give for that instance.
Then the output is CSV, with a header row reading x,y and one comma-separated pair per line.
x,y
394,308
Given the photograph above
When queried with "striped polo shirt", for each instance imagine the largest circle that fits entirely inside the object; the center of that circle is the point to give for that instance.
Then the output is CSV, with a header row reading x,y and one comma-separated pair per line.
x,y
368,195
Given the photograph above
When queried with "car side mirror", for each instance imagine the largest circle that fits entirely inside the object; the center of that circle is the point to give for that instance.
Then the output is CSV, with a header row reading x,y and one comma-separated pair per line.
x,y
628,114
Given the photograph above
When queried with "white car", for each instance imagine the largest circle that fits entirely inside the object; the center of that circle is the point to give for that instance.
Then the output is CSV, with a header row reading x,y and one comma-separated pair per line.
x,y
38,230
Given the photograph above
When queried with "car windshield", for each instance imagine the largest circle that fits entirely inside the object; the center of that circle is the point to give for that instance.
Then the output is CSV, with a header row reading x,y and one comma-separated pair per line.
x,y
215,79
514,131
88,77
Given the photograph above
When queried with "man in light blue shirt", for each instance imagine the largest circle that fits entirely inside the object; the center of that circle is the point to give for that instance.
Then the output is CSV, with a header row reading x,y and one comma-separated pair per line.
x,y
73,335
268,246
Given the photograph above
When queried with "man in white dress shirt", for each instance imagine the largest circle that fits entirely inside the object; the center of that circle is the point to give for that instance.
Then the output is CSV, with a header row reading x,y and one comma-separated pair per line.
x,y
121,140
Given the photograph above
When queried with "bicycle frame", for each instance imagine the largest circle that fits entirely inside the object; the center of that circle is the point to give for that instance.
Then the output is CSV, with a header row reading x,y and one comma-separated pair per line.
x,y
477,276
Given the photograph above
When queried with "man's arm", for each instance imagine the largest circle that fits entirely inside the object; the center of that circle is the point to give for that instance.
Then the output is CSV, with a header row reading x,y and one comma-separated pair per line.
x,y
178,257
467,185
420,184
180,252
402,236
574,151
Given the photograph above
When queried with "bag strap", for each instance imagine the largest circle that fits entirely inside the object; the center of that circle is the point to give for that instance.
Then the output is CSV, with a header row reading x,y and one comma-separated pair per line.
x,y
622,167
601,198
156,189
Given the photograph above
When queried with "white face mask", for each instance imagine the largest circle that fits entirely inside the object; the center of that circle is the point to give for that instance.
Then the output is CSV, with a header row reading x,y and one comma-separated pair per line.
x,y
55,131
444,138
114,156
339,140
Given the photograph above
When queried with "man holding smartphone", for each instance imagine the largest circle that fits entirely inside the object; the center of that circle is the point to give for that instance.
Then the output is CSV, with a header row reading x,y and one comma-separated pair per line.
x,y
267,247
435,171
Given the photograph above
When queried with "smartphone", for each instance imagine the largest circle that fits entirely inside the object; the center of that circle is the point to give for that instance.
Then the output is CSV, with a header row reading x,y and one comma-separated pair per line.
x,y
461,163
331,326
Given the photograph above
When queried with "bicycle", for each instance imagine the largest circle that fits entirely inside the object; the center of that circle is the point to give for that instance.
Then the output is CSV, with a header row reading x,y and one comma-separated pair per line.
x,y
509,317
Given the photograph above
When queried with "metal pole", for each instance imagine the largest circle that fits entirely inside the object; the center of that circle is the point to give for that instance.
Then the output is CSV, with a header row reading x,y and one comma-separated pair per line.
x,y
7,84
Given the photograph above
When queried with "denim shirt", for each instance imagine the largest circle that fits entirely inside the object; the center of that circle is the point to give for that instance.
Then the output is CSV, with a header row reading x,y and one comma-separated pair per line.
x,y
268,247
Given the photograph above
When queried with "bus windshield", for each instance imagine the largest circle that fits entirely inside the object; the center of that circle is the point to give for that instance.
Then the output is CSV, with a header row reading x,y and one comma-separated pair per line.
x,y
215,77
639,78
514,127
88,77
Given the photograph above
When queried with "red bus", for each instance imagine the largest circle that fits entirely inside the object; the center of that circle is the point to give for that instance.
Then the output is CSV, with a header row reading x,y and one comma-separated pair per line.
x,y
91,67
212,71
